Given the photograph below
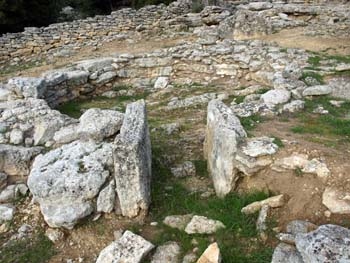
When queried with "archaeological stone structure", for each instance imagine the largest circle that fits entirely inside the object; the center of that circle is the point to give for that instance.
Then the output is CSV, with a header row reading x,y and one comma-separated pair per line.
x,y
106,135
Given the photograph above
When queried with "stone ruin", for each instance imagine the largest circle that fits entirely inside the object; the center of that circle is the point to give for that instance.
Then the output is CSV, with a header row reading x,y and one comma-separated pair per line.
x,y
101,162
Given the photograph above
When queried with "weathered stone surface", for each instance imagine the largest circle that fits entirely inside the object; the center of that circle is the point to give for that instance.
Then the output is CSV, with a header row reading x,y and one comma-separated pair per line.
x,y
167,253
275,97
6,213
34,118
16,160
222,127
294,106
66,180
99,124
286,253
300,227
261,146
178,221
27,87
132,161
301,161
203,225
317,90
3,180
261,221
275,201
54,235
130,248
161,83
106,198
336,200
211,254
329,243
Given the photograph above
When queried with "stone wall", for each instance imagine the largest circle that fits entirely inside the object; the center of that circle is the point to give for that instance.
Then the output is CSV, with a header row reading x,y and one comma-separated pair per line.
x,y
233,19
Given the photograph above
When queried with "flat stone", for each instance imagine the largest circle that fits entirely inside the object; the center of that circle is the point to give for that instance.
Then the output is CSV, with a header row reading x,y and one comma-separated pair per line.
x,y
203,225
275,97
317,90
178,221
273,202
336,200
167,253
130,248
211,254
261,146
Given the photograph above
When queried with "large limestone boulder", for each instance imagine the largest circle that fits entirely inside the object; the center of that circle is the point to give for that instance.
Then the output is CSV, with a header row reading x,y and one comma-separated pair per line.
x,y
132,161
16,160
223,134
65,181
130,248
329,243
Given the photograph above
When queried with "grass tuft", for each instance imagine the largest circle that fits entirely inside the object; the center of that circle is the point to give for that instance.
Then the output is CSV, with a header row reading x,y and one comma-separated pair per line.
x,y
37,249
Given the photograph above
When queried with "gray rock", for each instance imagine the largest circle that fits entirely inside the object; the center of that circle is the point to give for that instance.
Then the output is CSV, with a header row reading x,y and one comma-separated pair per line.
x,y
132,161
167,253
275,201
190,258
286,253
27,87
261,146
161,83
54,78
94,65
275,97
8,194
317,90
106,77
66,180
294,106
16,137
178,221
203,225
6,213
77,77
336,200
99,124
16,160
222,127
55,235
261,221
130,248
106,198
329,243
300,227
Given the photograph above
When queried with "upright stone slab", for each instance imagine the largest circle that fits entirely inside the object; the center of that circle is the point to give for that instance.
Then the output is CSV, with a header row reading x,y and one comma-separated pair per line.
x,y
223,134
132,161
